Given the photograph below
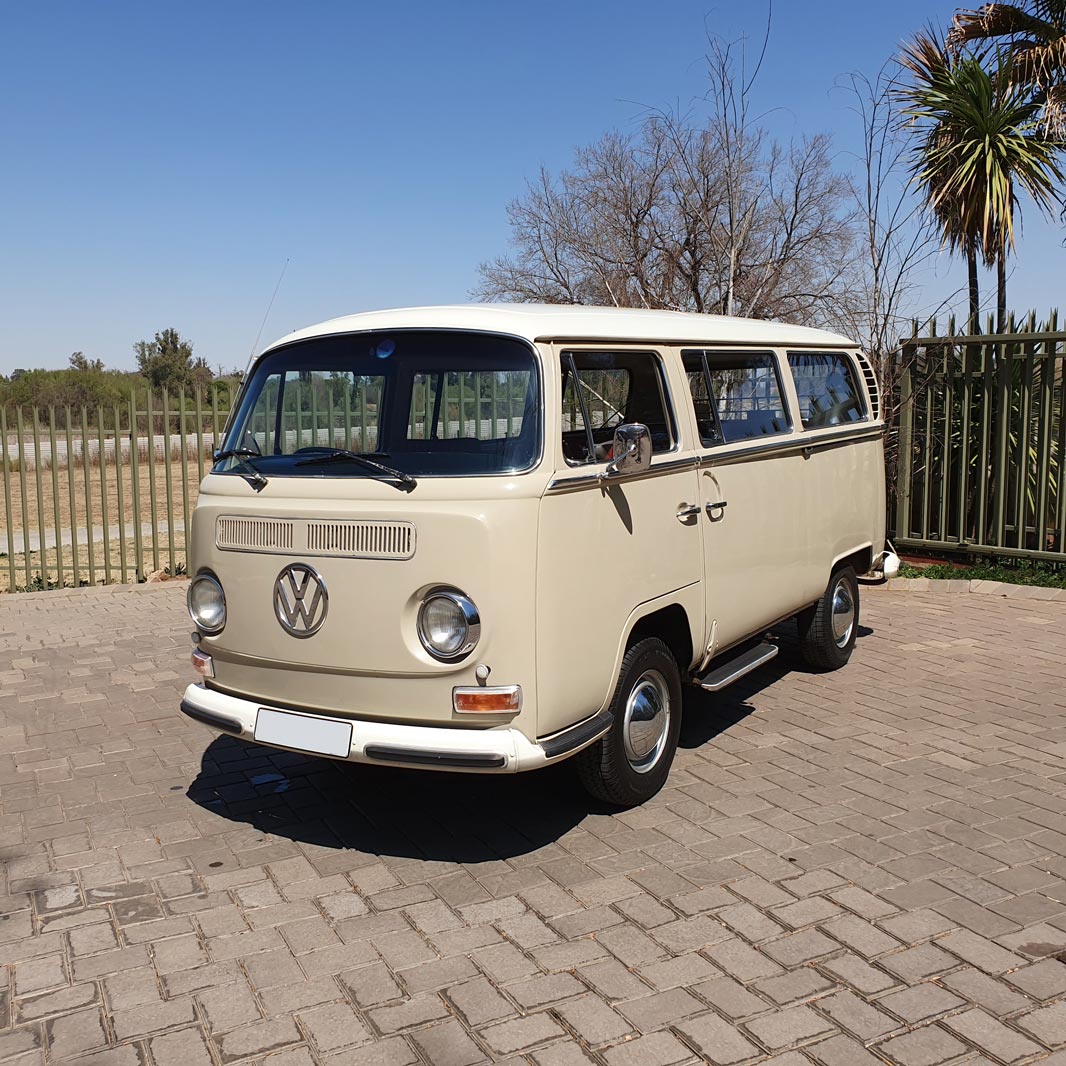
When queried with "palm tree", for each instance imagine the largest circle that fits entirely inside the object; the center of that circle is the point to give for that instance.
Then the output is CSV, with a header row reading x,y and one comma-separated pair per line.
x,y
981,139
1034,33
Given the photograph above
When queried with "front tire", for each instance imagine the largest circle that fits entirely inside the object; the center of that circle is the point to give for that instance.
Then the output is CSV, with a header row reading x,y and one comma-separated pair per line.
x,y
827,630
629,764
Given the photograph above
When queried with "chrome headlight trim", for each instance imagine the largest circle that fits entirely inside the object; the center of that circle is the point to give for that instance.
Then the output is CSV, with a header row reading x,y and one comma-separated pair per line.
x,y
206,577
471,618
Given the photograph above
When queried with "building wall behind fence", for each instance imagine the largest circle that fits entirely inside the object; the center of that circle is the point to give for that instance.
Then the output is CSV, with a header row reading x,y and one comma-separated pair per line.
x,y
982,441
102,495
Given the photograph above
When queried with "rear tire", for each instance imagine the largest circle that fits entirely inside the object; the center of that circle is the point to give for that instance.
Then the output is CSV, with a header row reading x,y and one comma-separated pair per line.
x,y
827,630
629,764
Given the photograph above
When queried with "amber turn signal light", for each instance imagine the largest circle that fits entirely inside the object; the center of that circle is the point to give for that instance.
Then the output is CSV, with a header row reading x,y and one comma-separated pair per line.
x,y
202,663
501,700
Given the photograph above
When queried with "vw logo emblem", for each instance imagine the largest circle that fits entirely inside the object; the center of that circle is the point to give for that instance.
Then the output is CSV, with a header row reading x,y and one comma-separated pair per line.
x,y
301,601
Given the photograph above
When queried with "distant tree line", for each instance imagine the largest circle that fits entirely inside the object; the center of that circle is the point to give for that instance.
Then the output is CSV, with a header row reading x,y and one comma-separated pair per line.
x,y
166,362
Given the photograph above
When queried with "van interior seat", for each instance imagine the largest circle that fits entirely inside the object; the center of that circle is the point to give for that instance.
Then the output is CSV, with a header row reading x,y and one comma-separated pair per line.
x,y
753,424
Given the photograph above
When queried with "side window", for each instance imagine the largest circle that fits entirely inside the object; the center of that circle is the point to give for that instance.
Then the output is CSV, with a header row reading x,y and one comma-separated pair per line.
x,y
828,392
603,390
736,395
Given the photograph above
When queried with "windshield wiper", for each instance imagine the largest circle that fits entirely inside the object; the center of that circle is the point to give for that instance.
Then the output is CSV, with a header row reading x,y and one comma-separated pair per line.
x,y
403,481
254,478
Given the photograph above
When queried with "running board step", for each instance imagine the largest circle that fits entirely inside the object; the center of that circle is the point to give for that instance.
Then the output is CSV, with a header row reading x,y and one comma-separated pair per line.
x,y
735,669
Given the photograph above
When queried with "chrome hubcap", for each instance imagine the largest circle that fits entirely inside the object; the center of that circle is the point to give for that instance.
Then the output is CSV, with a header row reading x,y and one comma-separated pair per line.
x,y
843,613
647,720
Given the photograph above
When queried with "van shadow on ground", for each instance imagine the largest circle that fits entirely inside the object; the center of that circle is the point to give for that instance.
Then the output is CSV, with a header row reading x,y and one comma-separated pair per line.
x,y
451,817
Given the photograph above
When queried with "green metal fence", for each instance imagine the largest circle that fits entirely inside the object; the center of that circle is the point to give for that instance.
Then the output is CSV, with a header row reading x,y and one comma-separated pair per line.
x,y
981,444
102,494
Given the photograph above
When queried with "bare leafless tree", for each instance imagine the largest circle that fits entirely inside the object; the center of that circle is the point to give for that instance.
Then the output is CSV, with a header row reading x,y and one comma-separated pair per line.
x,y
698,210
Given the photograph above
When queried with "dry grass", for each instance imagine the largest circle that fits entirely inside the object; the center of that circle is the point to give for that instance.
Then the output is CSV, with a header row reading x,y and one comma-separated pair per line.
x,y
108,477
44,569
97,508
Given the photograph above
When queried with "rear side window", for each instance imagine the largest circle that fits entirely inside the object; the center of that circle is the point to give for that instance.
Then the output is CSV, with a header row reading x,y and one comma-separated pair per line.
x,y
604,390
827,388
736,395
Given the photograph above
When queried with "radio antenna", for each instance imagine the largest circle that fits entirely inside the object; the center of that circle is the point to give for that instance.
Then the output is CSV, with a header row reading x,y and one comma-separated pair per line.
x,y
269,306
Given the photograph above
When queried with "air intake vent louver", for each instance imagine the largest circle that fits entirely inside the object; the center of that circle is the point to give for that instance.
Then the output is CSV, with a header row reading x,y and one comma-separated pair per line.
x,y
254,534
364,540
871,384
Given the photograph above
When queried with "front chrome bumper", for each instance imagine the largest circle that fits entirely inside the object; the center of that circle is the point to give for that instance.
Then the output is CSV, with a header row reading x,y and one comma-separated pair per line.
x,y
495,750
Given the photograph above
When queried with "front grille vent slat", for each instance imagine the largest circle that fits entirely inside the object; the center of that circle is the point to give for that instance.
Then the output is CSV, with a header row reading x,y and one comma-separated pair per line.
x,y
362,540
871,384
354,539
254,534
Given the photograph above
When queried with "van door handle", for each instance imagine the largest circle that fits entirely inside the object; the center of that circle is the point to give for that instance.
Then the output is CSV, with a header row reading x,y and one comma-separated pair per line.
x,y
716,506
687,511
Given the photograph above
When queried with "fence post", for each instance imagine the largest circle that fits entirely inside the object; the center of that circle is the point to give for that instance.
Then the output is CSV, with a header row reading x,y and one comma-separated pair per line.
x,y
9,523
105,517
90,547
72,498
135,488
21,430
905,446
152,501
55,496
168,479
117,437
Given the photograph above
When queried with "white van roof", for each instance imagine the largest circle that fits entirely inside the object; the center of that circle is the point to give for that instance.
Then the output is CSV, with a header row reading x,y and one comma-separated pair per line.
x,y
542,322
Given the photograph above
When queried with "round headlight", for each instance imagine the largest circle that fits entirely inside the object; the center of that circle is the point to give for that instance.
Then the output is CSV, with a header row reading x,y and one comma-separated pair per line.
x,y
207,603
448,624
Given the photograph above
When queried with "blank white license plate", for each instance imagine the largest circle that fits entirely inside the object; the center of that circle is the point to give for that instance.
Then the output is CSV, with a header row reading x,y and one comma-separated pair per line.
x,y
305,732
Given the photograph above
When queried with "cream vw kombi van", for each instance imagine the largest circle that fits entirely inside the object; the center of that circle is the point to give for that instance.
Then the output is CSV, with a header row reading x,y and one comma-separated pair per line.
x,y
490,538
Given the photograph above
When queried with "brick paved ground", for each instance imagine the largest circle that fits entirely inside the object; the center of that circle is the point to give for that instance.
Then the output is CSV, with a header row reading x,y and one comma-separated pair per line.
x,y
847,869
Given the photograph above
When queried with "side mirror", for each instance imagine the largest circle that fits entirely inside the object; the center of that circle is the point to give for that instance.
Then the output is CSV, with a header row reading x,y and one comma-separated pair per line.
x,y
632,450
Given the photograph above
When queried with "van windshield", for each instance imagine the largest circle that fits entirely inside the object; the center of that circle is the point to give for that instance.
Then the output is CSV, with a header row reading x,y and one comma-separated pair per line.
x,y
427,403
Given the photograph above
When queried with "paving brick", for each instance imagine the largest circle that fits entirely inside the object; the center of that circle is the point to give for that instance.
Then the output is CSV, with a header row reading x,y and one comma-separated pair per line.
x,y
660,1009
447,1044
406,1015
228,1007
257,1039
922,1047
856,1016
716,1040
183,1047
593,1020
522,1033
685,969
141,1021
1047,1024
655,1049
730,998
479,1002
333,1027
76,1033
786,1028
858,973
800,947
918,963
990,1035
980,952
795,985
613,981
989,992
741,961
1042,980
839,1051
918,1004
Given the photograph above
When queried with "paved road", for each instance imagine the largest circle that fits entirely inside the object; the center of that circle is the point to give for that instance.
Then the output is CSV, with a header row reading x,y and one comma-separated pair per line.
x,y
849,869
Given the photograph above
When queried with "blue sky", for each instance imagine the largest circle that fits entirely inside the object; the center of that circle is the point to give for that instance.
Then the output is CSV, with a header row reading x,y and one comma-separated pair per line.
x,y
161,163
